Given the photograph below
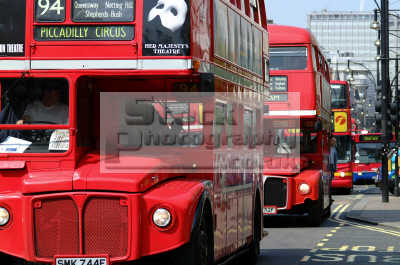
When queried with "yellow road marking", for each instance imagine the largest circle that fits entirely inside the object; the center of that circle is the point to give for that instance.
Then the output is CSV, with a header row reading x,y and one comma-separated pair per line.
x,y
333,231
390,249
329,235
314,250
305,259
325,239
320,244
359,196
337,208
376,229
344,209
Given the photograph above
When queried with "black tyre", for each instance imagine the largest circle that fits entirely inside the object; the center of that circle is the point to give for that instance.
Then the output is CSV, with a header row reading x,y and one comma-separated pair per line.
x,y
254,249
348,191
315,213
200,249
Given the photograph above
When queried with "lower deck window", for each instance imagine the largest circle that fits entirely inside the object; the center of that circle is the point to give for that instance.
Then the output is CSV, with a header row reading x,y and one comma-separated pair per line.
x,y
35,101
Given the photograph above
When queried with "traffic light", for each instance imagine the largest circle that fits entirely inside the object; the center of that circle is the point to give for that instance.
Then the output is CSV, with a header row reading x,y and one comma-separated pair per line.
x,y
394,108
393,113
391,120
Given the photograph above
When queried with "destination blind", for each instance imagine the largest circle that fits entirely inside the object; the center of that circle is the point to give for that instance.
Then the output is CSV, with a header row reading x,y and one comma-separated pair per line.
x,y
370,138
103,10
82,33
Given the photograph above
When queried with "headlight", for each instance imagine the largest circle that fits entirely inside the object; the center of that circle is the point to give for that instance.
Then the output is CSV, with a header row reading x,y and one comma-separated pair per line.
x,y
360,173
4,216
304,188
161,217
342,174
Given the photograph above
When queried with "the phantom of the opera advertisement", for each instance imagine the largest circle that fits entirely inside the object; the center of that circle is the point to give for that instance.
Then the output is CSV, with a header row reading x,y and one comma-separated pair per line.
x,y
12,28
166,28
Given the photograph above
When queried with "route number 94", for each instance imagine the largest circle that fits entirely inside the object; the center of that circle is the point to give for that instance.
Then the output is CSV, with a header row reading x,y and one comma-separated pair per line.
x,y
50,10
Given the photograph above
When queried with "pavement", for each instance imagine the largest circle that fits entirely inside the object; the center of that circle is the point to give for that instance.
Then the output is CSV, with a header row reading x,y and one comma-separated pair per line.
x,y
369,208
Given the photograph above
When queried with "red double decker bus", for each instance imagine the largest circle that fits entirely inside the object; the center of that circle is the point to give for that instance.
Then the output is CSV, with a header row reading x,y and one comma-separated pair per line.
x,y
342,131
367,158
297,127
127,130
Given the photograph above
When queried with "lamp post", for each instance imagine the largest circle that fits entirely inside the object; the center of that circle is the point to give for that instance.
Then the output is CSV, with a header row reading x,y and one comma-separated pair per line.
x,y
396,129
385,94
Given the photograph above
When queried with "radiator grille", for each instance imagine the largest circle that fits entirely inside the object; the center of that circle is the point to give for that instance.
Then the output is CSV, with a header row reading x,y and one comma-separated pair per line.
x,y
275,192
105,227
56,227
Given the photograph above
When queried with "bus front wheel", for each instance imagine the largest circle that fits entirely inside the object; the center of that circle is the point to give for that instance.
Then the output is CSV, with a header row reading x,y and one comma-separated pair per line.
x,y
315,212
200,249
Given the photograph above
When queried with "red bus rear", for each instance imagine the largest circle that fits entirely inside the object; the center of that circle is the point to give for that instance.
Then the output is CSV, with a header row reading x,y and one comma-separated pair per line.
x,y
297,126
342,128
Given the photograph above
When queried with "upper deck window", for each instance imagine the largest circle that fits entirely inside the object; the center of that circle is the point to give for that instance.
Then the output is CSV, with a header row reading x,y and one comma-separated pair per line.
x,y
339,96
41,102
288,58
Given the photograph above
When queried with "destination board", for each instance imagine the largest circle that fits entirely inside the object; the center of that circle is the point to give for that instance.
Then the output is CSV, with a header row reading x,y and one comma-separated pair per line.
x,y
49,10
370,138
103,10
84,33
12,28
279,83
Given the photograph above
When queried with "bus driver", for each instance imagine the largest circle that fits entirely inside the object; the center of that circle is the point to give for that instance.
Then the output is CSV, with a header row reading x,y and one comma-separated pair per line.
x,y
47,110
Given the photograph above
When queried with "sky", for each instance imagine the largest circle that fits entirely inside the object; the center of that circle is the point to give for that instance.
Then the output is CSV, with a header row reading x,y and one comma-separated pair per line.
x,y
294,12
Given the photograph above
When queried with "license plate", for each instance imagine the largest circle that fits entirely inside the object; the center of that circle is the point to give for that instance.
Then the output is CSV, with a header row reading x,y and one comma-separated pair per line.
x,y
81,260
270,210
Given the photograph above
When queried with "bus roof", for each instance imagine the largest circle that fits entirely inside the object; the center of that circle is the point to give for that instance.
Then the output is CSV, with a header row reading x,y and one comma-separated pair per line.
x,y
279,34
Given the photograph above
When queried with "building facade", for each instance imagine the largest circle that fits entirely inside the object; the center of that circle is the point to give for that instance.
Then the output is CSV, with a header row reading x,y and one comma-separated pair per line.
x,y
349,42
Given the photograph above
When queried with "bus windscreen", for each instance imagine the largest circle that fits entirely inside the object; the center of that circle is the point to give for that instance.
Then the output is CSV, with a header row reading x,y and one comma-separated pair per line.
x,y
367,152
343,147
339,96
288,58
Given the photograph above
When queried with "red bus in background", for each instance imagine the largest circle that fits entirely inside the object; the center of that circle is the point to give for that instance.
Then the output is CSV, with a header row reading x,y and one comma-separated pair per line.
x,y
296,127
367,158
93,58
342,131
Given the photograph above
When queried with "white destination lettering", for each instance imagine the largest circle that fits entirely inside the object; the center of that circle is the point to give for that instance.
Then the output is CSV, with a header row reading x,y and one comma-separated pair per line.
x,y
109,4
86,5
2,48
116,13
96,14
129,5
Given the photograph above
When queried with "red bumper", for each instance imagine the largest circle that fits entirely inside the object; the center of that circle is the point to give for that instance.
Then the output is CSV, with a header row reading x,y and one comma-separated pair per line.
x,y
88,223
342,183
